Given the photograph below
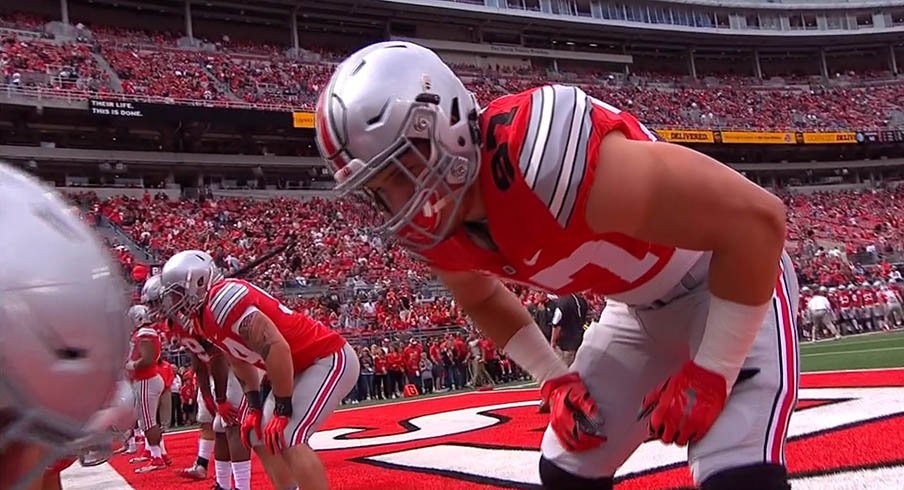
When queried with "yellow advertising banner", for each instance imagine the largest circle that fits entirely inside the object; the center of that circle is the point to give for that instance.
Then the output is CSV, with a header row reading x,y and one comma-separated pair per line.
x,y
832,138
758,138
303,120
686,136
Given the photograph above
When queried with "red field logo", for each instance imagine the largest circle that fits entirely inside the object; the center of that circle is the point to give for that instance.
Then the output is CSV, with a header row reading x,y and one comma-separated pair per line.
x,y
845,433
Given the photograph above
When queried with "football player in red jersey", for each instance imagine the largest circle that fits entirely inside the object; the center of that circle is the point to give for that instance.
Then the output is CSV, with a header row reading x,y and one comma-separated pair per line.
x,y
218,415
63,335
148,386
310,367
562,192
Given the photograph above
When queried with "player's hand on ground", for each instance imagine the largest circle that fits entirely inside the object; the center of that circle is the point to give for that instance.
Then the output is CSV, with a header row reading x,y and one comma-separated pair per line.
x,y
684,407
251,422
572,413
273,433
227,412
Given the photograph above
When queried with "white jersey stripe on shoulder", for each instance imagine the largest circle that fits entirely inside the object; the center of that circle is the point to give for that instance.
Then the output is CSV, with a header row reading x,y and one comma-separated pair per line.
x,y
578,172
575,133
217,301
543,129
226,299
230,304
557,143
146,332
533,127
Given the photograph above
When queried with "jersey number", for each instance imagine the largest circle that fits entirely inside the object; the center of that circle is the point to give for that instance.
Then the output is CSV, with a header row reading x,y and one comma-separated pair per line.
x,y
195,348
602,254
501,165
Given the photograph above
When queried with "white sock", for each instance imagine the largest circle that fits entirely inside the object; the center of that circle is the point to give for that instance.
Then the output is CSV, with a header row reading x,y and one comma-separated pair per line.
x,y
155,451
205,448
162,445
224,473
241,471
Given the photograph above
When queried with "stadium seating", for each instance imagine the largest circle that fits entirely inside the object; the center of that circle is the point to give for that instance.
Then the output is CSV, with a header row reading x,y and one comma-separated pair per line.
x,y
150,65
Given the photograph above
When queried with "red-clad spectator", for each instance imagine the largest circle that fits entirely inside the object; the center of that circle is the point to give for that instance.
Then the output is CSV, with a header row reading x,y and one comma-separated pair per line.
x,y
188,395
395,366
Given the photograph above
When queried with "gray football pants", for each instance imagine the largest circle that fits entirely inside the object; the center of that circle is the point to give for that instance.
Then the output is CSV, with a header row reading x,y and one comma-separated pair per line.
x,y
631,349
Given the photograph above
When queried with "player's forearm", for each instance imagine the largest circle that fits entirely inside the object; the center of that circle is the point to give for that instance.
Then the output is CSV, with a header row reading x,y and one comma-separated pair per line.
x,y
202,375
554,337
280,369
503,319
219,370
247,374
743,276
500,316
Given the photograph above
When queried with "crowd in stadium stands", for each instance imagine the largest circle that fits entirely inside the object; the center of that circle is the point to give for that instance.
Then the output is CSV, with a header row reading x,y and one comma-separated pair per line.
x,y
364,286
150,64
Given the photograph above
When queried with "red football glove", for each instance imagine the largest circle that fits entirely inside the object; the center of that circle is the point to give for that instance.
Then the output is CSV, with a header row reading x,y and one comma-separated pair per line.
x,y
251,421
273,433
209,404
572,413
227,412
685,406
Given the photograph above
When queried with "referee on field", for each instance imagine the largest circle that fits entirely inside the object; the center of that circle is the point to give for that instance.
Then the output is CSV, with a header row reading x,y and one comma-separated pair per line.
x,y
568,326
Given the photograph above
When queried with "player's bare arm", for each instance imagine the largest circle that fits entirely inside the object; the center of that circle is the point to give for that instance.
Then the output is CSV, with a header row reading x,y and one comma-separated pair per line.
x,y
669,194
202,375
246,373
218,370
499,314
672,195
261,336
146,348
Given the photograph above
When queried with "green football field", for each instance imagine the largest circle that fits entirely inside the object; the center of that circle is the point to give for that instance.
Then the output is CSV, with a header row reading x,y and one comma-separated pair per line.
x,y
879,350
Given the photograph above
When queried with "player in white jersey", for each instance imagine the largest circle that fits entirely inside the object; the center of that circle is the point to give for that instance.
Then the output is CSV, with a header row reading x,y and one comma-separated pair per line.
x,y
561,191
63,334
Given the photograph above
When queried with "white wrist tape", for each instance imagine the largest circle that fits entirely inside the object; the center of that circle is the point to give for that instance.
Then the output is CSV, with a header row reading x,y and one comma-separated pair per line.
x,y
530,350
730,331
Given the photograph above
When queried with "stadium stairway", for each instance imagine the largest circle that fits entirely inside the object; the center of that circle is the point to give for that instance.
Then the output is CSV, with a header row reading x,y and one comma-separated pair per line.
x,y
221,86
114,81
110,231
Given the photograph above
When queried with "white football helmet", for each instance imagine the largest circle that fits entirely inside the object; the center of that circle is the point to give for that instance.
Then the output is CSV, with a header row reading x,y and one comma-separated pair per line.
x,y
378,104
186,279
152,296
63,327
139,316
109,424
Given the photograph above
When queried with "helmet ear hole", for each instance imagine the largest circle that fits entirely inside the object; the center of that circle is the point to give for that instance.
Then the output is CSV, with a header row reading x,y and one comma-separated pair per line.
x,y
456,113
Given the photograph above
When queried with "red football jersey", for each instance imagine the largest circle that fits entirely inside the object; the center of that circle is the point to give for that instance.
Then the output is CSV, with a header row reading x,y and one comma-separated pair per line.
x,y
868,298
144,334
537,167
844,299
230,300
857,299
189,341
